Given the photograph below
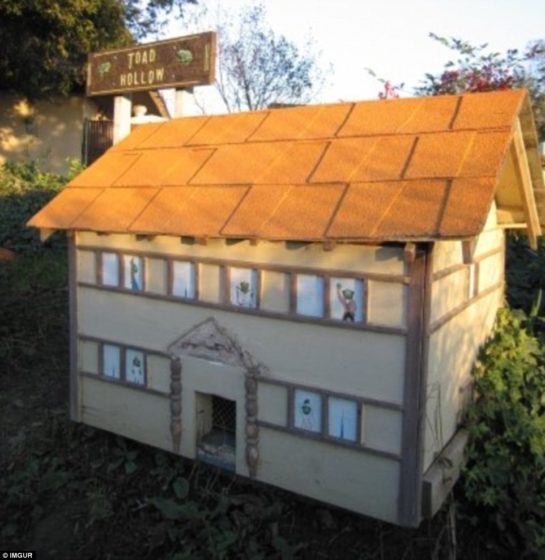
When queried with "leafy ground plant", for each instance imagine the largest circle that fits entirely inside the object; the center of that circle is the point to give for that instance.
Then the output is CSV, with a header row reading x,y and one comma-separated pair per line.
x,y
504,481
24,189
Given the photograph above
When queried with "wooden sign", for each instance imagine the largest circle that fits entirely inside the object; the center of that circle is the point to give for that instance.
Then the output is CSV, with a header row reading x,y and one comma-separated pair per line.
x,y
181,62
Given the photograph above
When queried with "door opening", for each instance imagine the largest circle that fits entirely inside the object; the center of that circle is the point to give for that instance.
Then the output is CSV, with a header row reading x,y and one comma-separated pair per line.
x,y
216,430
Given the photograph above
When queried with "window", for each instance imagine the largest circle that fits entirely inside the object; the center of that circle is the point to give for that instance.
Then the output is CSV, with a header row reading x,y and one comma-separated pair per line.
x,y
310,295
183,279
342,419
124,364
111,361
346,299
243,289
135,367
316,413
133,272
307,410
110,269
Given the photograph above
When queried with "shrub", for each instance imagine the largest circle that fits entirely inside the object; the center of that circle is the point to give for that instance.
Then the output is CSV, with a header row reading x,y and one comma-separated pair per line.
x,y
525,272
504,479
24,189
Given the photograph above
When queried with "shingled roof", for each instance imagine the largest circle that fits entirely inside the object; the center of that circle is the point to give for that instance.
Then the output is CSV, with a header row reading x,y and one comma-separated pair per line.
x,y
407,169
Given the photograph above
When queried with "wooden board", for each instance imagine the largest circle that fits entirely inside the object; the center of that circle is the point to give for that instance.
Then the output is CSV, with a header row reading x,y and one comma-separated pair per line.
x,y
180,62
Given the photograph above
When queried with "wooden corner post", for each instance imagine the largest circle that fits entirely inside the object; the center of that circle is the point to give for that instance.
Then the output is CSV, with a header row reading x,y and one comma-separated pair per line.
x,y
410,477
73,328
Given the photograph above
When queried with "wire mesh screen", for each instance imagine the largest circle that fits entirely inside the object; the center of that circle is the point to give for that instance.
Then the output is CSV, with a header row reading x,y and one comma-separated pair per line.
x,y
224,414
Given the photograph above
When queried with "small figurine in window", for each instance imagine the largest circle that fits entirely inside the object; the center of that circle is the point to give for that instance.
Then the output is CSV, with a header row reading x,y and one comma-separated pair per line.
x,y
135,285
137,375
346,297
307,422
244,295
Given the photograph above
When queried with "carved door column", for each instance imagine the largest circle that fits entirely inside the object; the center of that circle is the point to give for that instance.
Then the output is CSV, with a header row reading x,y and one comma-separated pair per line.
x,y
176,403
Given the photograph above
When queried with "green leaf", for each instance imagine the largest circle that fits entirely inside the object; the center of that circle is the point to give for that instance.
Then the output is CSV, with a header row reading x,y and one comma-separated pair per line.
x,y
172,510
181,488
226,540
115,464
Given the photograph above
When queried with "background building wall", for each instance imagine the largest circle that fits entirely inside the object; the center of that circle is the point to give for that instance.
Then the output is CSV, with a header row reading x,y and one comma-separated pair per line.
x,y
46,131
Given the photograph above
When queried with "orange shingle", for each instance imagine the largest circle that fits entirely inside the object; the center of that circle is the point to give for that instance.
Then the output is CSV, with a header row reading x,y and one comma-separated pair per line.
x,y
364,159
402,115
467,206
417,209
434,114
298,212
64,208
105,170
258,205
488,110
486,154
177,166
362,209
197,211
439,155
174,134
239,163
228,129
389,210
302,122
304,213
294,165
114,209
138,135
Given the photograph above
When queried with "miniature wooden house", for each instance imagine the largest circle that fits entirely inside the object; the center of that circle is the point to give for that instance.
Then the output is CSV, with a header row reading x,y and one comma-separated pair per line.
x,y
298,295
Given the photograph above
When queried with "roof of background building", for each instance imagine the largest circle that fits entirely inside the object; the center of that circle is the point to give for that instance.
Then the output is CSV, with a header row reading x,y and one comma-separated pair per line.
x,y
405,169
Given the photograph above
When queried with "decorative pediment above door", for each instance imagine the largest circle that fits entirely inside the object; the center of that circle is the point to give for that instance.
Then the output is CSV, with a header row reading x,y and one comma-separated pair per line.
x,y
209,341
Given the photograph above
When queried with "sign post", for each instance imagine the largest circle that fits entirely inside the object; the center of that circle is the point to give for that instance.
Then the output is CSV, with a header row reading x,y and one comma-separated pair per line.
x,y
122,117
179,63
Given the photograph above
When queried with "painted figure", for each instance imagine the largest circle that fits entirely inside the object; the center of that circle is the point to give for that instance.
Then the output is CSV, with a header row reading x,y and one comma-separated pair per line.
x,y
134,275
137,375
244,294
346,297
307,421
